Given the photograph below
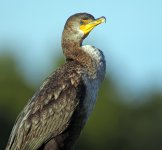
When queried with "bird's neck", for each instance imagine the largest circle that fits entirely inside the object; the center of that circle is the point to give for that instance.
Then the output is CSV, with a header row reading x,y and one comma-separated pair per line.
x,y
73,50
70,41
70,45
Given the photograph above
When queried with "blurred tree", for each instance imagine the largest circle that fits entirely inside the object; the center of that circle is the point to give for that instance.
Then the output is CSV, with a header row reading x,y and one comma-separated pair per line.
x,y
113,125
14,92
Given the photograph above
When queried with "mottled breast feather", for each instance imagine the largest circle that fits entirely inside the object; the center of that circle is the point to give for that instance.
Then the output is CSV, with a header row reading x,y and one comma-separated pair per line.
x,y
50,110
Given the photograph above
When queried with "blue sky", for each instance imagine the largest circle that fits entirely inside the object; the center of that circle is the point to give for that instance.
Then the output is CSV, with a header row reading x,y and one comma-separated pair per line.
x,y
131,39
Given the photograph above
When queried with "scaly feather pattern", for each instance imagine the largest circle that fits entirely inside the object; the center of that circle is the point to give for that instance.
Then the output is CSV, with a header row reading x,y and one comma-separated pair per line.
x,y
50,110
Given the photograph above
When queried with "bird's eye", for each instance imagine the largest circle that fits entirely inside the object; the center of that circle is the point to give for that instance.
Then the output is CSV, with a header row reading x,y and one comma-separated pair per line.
x,y
84,21
81,22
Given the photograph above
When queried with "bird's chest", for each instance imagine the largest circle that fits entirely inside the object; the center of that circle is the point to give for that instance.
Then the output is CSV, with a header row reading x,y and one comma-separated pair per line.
x,y
92,79
90,96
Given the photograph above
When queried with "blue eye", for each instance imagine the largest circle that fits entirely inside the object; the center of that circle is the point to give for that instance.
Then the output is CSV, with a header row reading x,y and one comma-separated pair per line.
x,y
84,21
81,22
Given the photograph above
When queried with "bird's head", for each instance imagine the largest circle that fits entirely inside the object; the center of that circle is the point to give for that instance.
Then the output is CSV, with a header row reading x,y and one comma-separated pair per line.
x,y
78,26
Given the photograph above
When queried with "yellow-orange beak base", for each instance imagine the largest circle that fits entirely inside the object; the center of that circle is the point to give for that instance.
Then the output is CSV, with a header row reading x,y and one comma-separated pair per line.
x,y
86,28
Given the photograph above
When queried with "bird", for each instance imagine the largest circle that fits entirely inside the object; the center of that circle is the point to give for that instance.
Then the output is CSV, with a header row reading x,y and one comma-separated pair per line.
x,y
56,114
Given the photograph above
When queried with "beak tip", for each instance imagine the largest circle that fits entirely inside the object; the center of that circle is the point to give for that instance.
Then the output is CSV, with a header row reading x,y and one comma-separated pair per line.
x,y
104,19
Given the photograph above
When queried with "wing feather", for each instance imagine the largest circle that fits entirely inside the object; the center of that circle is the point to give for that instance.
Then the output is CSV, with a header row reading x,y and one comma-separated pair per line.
x,y
48,113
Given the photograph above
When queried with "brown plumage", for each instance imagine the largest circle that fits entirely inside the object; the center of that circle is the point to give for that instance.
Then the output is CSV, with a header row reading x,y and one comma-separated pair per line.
x,y
54,117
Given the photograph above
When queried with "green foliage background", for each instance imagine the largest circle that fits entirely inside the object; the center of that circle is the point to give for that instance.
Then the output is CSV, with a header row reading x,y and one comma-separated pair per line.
x,y
113,125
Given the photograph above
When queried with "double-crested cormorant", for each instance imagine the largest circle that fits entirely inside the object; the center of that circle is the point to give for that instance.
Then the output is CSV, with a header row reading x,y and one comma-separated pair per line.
x,y
54,117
